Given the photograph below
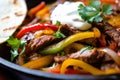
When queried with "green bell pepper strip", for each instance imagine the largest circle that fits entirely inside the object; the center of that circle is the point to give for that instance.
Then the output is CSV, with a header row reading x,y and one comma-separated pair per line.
x,y
53,49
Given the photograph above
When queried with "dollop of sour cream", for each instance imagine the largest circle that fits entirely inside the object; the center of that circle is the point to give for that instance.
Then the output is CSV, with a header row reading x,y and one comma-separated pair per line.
x,y
67,13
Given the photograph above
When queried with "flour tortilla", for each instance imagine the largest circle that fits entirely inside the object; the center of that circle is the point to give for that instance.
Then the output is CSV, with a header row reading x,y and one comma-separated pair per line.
x,y
12,14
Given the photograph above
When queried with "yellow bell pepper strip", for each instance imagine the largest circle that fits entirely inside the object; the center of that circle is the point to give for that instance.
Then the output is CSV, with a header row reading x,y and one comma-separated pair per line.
x,y
81,64
42,12
114,21
39,63
53,49
96,32
48,31
42,32
37,8
84,66
56,70
112,71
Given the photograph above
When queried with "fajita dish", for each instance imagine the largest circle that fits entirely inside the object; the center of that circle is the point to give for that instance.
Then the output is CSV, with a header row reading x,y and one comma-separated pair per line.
x,y
69,37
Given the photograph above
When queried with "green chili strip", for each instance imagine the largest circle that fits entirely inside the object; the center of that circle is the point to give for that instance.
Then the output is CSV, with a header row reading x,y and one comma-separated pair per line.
x,y
53,49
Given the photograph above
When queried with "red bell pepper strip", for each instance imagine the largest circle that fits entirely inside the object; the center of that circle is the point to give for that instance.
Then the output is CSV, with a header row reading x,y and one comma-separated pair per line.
x,y
109,1
57,71
86,2
35,27
69,71
51,26
72,71
112,45
102,40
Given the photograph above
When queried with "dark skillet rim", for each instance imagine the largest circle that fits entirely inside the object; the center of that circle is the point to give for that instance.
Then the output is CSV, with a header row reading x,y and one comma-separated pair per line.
x,y
52,76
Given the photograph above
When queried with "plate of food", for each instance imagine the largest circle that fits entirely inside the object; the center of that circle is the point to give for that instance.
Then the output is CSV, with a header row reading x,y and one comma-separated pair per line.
x,y
61,39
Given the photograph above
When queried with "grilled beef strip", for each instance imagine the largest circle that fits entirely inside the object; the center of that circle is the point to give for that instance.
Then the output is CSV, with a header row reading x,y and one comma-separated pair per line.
x,y
68,30
95,57
89,56
60,59
38,43
111,31
110,65
90,41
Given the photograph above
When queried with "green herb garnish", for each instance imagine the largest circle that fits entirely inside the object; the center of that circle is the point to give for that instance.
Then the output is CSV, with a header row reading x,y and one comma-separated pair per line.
x,y
107,9
92,12
58,23
61,53
42,21
85,48
15,45
59,34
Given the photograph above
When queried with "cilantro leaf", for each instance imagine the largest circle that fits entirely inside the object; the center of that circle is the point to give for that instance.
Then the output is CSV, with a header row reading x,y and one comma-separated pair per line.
x,y
14,42
92,12
98,18
14,53
15,45
58,23
62,53
107,9
85,48
88,13
22,45
42,21
95,4
58,34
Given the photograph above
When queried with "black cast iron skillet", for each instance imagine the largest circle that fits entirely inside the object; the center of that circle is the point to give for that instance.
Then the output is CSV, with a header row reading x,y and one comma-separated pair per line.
x,y
22,73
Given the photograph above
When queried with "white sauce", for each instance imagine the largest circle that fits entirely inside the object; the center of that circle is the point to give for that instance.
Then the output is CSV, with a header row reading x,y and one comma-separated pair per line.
x,y
67,13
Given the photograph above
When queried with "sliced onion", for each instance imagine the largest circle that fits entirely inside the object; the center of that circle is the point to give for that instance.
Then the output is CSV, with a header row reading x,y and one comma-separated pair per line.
x,y
112,54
